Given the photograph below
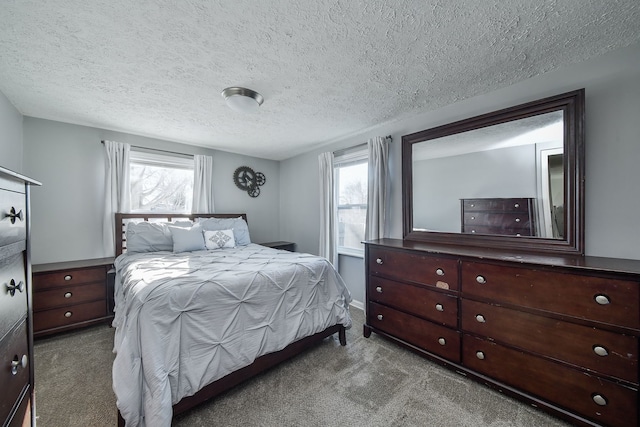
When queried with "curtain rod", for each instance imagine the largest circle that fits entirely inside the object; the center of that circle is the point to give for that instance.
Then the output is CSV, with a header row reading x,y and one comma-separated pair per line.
x,y
364,144
157,149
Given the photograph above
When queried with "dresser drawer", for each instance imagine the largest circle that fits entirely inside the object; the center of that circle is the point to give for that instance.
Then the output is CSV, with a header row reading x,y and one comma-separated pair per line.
x,y
432,305
67,296
68,277
414,267
501,205
13,304
594,349
554,382
609,301
14,376
13,225
64,316
436,339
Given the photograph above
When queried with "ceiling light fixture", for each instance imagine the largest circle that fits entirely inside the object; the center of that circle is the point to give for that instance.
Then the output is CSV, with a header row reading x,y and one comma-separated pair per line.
x,y
242,99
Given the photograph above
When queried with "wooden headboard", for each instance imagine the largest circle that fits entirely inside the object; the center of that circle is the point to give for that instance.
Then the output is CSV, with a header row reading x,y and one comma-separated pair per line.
x,y
123,218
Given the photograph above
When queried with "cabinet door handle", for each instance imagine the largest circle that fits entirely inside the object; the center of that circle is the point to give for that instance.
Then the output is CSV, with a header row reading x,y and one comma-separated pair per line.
x,y
439,307
442,341
480,355
440,272
68,295
68,314
13,215
379,289
68,277
380,317
481,279
18,362
379,261
600,350
602,299
599,399
12,287
480,318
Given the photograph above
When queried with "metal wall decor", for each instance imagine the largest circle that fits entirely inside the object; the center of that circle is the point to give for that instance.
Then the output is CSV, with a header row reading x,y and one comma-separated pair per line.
x,y
248,180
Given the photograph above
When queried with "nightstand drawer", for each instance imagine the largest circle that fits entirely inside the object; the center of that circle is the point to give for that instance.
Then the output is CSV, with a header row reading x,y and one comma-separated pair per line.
x,y
13,226
13,295
68,296
70,315
14,375
68,277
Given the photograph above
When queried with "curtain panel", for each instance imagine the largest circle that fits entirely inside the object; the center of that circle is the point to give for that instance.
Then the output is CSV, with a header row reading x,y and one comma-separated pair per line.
x,y
116,190
328,214
202,184
378,188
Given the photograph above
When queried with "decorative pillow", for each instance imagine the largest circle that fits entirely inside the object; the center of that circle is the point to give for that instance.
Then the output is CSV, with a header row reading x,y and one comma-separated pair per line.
x,y
219,239
187,239
148,237
238,225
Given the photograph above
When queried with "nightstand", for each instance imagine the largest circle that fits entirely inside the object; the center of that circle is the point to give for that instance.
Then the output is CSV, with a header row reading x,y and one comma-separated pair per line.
x,y
287,246
69,295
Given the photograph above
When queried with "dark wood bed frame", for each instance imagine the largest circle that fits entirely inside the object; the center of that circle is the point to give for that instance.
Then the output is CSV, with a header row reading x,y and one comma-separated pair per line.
x,y
262,363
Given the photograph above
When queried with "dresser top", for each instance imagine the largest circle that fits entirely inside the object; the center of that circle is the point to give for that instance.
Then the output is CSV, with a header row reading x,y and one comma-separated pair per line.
x,y
68,265
8,173
602,264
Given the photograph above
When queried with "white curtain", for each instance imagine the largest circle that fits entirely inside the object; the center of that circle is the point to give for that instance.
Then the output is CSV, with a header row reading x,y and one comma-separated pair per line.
x,y
202,184
378,190
328,220
116,190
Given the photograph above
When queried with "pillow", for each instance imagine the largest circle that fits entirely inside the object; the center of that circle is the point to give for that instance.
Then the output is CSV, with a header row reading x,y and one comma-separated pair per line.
x,y
148,237
219,239
238,225
187,239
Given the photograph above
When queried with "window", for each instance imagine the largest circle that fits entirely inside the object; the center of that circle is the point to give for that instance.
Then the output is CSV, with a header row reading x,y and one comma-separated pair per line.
x,y
160,182
351,182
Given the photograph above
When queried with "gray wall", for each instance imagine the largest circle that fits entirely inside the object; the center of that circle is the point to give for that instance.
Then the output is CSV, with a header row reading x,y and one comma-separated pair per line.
x,y
612,85
67,209
10,136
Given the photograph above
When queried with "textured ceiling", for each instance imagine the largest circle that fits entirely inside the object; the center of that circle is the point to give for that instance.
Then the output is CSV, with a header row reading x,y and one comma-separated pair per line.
x,y
326,68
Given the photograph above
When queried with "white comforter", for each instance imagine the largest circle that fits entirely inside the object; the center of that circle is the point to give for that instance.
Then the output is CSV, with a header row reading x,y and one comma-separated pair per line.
x,y
185,320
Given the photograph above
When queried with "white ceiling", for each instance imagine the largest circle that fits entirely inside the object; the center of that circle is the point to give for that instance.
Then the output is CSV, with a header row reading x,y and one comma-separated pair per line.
x,y
327,69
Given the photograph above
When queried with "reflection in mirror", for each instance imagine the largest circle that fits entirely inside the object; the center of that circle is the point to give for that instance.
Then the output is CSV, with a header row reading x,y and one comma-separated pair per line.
x,y
505,179
510,179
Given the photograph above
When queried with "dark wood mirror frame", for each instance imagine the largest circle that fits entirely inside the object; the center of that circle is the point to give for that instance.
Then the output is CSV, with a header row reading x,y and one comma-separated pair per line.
x,y
572,104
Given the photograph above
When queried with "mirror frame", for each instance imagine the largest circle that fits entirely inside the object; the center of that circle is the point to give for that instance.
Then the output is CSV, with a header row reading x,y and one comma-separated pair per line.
x,y
572,104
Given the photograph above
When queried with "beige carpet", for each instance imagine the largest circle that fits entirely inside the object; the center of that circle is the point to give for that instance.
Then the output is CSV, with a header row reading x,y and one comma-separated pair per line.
x,y
370,382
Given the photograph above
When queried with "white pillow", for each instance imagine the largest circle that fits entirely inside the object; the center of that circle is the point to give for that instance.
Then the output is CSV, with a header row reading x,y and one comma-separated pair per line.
x,y
187,239
216,239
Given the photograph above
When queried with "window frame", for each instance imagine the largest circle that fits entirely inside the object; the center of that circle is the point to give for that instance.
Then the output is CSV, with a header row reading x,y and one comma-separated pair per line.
x,y
350,158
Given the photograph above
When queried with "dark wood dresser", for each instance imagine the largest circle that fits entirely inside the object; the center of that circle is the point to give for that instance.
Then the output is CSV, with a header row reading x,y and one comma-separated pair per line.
x,y
558,331
16,339
70,295
507,217
285,246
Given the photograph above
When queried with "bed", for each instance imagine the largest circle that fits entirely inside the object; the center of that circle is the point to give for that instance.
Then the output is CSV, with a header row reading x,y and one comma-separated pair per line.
x,y
193,323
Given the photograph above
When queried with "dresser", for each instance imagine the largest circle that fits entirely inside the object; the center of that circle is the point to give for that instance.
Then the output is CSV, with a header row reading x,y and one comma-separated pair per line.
x,y
557,331
509,217
72,294
16,339
285,246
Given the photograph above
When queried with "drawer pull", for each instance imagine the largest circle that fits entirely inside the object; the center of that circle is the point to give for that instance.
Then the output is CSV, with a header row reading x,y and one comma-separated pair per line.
x,y
480,355
481,280
600,350
473,217
18,362
379,289
442,341
480,318
602,299
12,287
439,307
68,295
68,277
13,215
68,314
517,205
599,399
379,261
440,272
517,219
380,317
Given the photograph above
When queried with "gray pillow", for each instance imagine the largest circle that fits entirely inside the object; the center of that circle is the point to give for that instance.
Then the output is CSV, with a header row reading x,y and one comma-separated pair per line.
x,y
187,239
238,225
148,237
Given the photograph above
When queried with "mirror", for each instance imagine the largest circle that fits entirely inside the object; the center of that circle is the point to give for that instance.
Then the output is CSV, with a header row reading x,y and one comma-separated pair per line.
x,y
512,179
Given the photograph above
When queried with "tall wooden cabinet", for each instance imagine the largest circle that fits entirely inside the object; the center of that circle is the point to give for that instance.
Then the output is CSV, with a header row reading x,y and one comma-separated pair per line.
x,y
16,332
560,332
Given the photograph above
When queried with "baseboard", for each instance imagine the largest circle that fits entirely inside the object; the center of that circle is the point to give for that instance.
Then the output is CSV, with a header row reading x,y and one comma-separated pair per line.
x,y
357,304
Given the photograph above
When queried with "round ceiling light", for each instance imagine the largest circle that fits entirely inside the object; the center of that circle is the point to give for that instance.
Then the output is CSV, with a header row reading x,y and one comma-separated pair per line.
x,y
242,99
